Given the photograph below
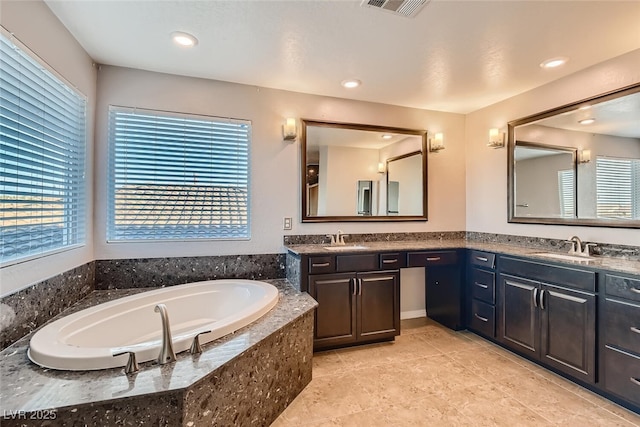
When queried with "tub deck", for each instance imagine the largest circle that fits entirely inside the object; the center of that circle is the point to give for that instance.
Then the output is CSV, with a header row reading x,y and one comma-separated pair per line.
x,y
233,377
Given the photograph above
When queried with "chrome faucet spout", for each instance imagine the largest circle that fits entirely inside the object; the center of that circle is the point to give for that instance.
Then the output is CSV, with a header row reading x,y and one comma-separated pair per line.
x,y
576,247
167,355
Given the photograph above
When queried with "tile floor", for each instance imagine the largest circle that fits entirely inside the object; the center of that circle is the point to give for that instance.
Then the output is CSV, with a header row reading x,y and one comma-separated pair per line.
x,y
432,376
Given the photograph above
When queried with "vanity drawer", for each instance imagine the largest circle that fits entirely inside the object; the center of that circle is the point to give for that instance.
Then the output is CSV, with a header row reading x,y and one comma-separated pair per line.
x,y
622,325
483,285
623,287
422,259
357,262
622,374
563,276
322,264
483,318
483,259
392,261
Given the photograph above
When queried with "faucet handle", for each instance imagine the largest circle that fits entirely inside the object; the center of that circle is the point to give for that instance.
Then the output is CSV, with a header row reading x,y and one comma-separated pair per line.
x,y
587,251
195,345
333,239
342,236
132,364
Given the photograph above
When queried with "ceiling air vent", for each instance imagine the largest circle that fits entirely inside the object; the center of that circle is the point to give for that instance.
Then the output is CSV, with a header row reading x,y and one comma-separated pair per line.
x,y
407,8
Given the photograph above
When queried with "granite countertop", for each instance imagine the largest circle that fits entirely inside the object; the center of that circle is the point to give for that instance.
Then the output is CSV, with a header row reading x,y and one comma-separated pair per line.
x,y
29,387
598,262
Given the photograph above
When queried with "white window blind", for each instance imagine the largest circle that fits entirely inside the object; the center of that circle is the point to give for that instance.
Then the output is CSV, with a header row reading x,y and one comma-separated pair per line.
x,y
566,184
42,156
618,187
177,177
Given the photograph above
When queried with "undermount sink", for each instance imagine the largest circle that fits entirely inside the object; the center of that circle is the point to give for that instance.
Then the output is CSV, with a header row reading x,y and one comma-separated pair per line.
x,y
346,248
566,257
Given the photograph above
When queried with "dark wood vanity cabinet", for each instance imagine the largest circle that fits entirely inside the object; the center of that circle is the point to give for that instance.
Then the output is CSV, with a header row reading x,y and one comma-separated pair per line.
x,y
548,319
354,306
620,331
443,279
481,293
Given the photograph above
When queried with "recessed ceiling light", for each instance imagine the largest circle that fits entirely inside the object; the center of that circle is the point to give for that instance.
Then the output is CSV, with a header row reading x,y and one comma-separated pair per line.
x,y
586,121
351,83
184,39
387,136
554,62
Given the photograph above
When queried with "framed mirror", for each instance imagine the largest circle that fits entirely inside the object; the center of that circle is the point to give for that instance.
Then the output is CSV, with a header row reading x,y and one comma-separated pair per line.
x,y
356,172
578,164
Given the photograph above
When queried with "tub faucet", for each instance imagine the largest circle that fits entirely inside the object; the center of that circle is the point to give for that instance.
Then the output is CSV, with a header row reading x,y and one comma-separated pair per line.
x,y
167,354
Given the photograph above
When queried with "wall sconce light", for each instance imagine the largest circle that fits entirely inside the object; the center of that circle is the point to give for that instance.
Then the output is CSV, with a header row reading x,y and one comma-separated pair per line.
x,y
436,142
584,156
381,168
496,138
289,132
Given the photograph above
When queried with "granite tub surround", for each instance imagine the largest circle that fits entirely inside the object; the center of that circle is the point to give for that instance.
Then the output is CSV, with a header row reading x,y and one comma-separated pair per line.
x,y
155,272
247,377
25,310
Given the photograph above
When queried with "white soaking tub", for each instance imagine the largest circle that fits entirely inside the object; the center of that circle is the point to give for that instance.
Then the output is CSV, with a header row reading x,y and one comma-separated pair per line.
x,y
86,340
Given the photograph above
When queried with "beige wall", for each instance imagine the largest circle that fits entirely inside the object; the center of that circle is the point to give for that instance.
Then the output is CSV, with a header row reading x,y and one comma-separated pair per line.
x,y
35,26
486,168
466,181
275,164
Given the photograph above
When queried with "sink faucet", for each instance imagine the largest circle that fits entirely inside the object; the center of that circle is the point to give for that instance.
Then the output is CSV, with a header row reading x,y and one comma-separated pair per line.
x,y
338,238
576,245
167,354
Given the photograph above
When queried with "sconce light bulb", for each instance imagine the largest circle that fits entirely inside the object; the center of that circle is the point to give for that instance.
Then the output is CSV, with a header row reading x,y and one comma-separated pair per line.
x,y
289,132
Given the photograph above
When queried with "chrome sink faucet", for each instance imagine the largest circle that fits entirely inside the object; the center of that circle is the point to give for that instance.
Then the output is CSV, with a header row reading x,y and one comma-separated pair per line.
x,y
577,247
338,239
167,355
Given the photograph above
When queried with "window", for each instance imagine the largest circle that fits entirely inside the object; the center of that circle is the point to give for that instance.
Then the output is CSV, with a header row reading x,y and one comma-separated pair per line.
x,y
618,187
42,156
177,177
566,184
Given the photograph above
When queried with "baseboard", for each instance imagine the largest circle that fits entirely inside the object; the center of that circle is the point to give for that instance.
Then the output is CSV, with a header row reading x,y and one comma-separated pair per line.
x,y
413,314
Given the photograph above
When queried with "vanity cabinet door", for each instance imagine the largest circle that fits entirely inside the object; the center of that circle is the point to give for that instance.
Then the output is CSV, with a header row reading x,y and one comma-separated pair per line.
x,y
335,320
568,323
520,326
443,299
378,305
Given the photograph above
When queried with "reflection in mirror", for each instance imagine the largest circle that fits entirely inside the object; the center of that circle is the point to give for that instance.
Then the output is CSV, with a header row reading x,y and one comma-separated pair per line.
x,y
545,181
365,197
404,184
579,164
362,173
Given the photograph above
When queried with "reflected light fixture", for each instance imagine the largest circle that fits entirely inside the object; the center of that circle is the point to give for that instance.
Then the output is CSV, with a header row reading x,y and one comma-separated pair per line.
x,y
587,121
351,83
584,156
496,138
386,136
289,132
436,142
184,39
554,62
381,168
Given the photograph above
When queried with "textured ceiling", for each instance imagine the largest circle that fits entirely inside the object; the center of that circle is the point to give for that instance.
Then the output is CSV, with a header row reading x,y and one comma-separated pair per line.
x,y
455,56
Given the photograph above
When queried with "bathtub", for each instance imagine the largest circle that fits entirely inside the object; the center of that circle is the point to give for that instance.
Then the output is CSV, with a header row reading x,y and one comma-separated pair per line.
x,y
86,340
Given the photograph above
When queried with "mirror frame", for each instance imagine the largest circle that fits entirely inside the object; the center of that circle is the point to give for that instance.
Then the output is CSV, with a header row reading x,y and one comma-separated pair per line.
x,y
511,144
365,127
